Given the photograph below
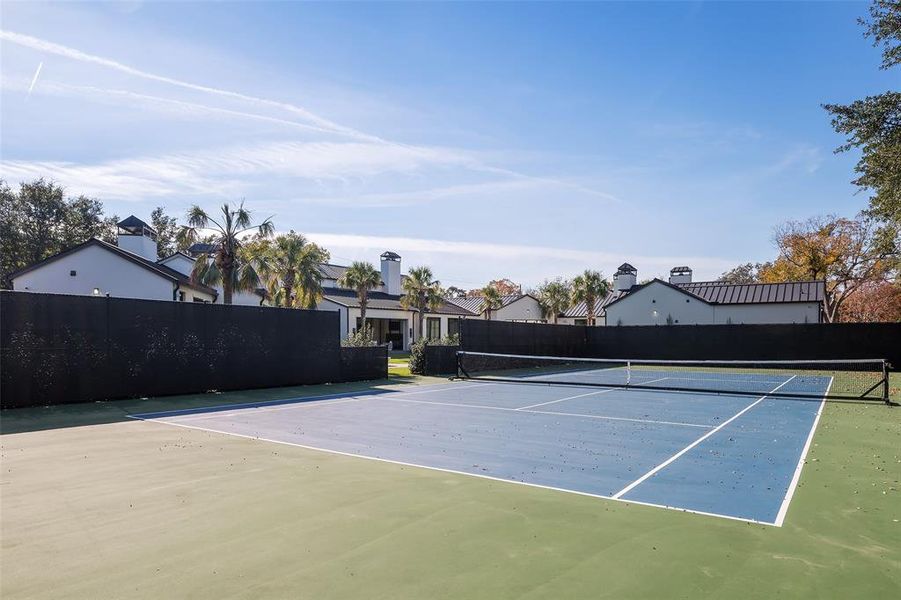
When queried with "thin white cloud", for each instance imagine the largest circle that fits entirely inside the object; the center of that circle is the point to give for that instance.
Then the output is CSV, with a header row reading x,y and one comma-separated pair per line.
x,y
803,157
319,122
225,171
475,191
467,262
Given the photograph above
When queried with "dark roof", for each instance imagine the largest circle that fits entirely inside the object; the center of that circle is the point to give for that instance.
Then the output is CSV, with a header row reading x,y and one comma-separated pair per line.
x,y
473,304
676,270
390,255
718,292
449,308
201,248
626,268
174,254
349,298
133,222
332,271
383,301
161,270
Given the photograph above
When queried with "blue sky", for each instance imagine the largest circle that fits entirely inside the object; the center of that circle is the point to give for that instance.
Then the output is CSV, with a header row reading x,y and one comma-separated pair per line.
x,y
486,140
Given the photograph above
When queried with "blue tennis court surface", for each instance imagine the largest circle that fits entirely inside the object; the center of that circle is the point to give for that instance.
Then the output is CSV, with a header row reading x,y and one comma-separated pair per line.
x,y
734,456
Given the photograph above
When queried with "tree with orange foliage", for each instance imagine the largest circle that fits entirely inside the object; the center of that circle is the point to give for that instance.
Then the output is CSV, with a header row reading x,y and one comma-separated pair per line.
x,y
505,287
843,252
876,301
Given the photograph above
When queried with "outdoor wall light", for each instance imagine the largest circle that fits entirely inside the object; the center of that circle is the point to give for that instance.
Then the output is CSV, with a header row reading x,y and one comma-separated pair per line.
x,y
96,291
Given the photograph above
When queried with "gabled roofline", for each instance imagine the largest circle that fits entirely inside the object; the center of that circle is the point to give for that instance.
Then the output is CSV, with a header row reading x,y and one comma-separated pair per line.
x,y
174,254
642,286
146,264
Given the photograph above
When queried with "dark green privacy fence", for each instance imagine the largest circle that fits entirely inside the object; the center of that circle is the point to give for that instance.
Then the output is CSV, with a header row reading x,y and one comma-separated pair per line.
x,y
689,342
58,349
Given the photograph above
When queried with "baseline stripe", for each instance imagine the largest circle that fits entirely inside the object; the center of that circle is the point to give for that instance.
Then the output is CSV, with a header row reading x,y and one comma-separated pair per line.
x,y
452,471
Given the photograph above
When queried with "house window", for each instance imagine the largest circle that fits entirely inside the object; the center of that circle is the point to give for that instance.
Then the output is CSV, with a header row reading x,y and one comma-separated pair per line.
x,y
453,327
72,273
433,328
581,322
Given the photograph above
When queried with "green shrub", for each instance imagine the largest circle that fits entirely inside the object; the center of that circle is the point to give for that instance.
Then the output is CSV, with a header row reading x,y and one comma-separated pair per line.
x,y
417,351
361,338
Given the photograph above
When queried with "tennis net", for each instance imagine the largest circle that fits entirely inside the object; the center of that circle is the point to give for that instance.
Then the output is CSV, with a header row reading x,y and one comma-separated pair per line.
x,y
855,379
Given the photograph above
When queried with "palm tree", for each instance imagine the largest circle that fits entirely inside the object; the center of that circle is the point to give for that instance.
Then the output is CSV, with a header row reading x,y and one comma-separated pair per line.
x,y
421,293
361,277
554,298
491,300
226,264
292,262
588,288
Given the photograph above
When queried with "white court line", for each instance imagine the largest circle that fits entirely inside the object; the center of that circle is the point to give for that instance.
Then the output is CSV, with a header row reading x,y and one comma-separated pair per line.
x,y
302,403
443,470
277,401
783,509
675,456
546,412
562,399
582,395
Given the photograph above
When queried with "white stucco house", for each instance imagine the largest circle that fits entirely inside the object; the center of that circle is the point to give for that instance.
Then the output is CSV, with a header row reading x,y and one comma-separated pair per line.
x,y
129,269
681,301
521,308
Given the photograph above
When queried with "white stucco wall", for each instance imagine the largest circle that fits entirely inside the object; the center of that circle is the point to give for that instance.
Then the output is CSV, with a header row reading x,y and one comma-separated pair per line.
x,y
180,263
96,267
523,309
638,308
795,312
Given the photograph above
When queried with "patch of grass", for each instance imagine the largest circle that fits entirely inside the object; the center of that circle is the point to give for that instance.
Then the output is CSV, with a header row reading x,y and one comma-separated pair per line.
x,y
144,510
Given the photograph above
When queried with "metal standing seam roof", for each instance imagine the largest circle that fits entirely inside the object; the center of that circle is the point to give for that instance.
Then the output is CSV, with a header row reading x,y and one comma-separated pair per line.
x,y
473,304
717,292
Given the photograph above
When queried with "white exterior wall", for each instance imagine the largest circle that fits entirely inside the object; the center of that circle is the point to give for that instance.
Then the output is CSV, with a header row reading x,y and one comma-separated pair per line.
x,y
141,245
180,263
638,308
240,298
598,320
445,319
794,312
390,270
96,267
349,315
342,314
523,309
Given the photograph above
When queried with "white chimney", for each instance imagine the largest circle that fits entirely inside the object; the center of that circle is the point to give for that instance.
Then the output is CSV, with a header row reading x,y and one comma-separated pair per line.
x,y
137,237
679,275
391,272
625,277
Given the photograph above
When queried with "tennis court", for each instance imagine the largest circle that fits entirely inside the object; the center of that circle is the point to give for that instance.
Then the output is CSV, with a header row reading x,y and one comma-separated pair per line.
x,y
734,455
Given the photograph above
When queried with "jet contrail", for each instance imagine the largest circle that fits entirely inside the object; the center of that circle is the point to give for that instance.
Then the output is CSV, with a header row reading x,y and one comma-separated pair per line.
x,y
34,79
317,121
